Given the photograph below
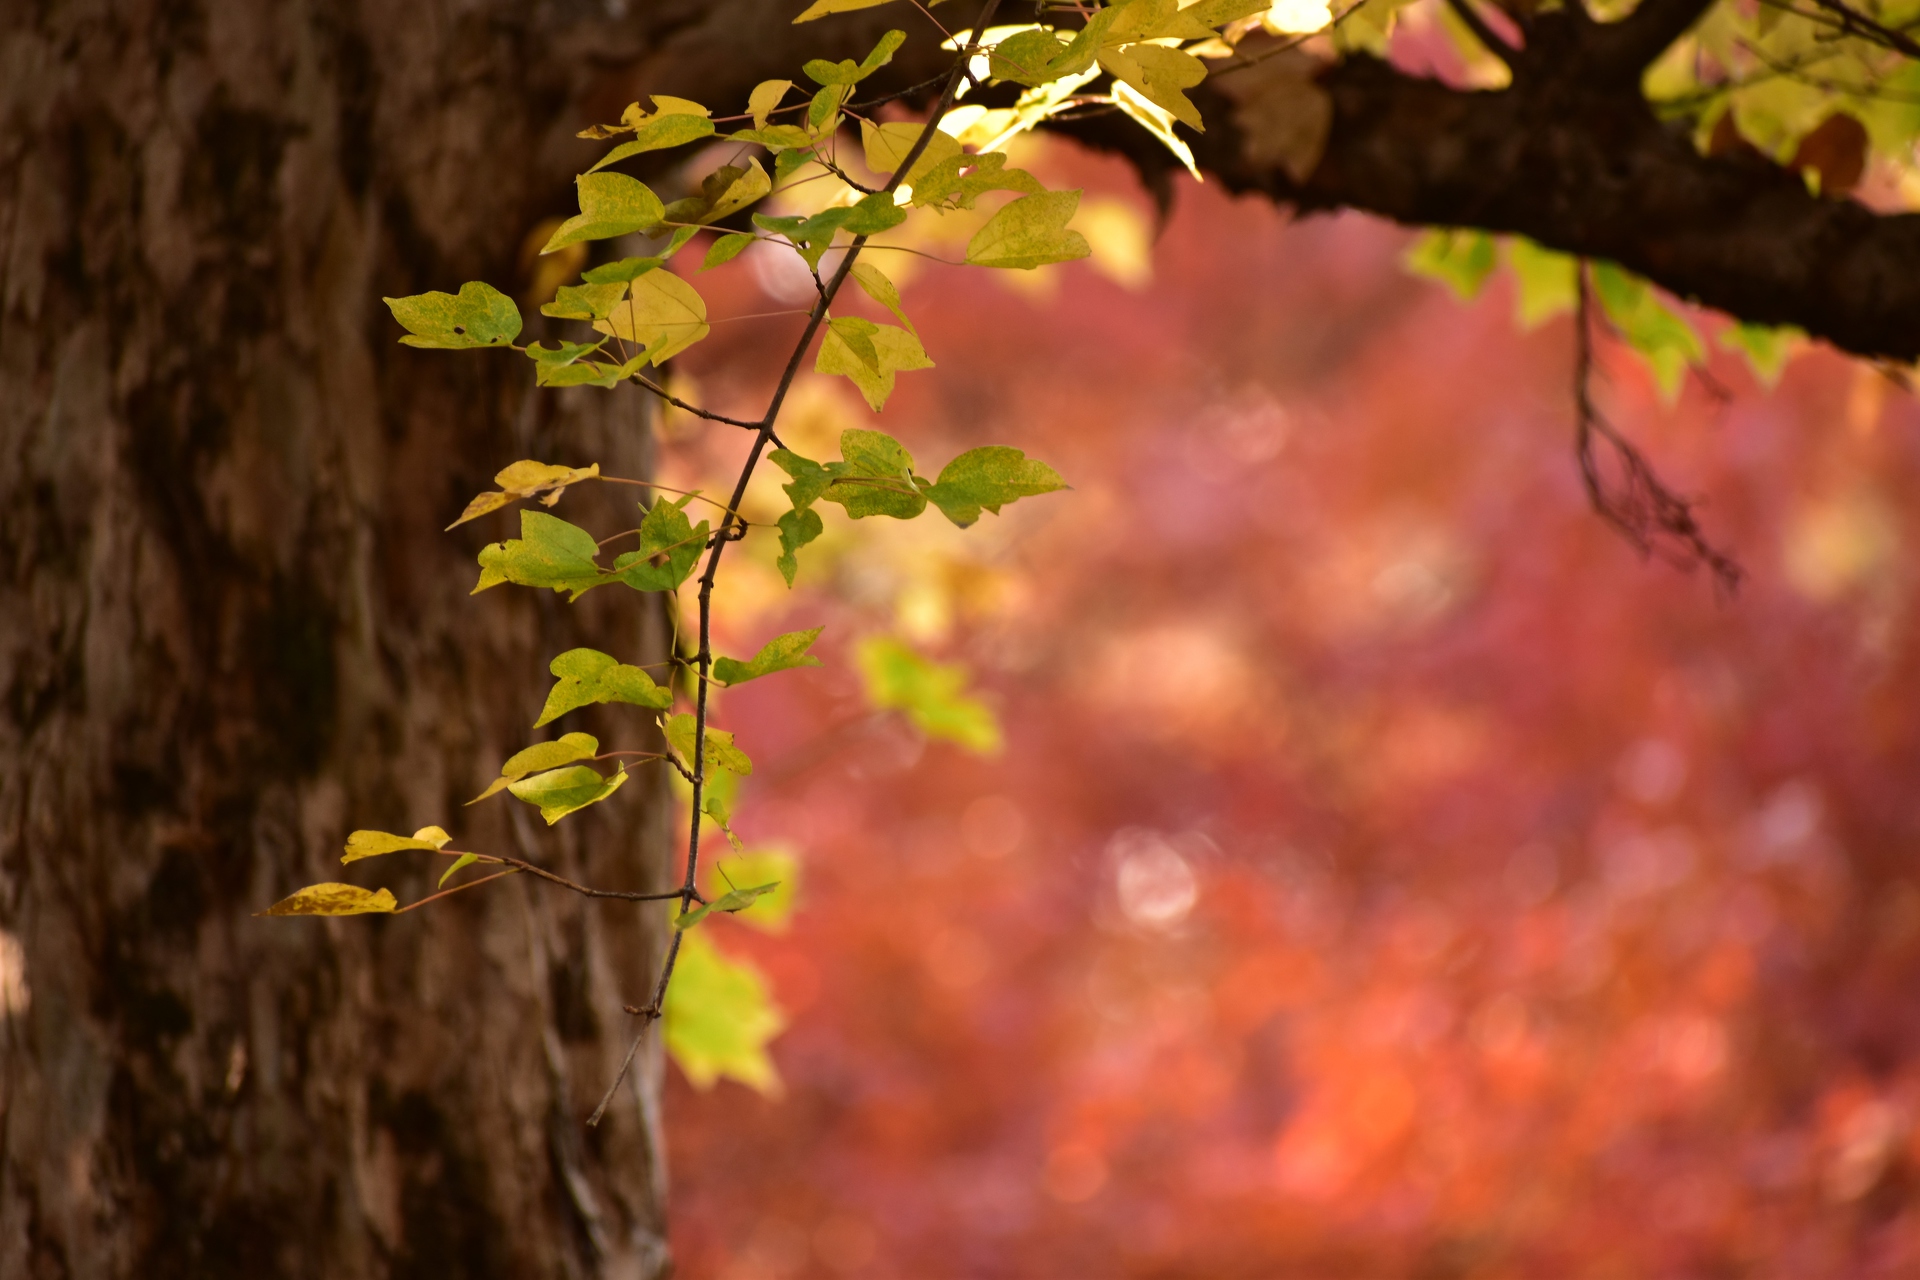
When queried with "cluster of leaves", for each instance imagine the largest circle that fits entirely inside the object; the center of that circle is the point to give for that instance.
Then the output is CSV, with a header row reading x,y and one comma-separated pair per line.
x,y
637,311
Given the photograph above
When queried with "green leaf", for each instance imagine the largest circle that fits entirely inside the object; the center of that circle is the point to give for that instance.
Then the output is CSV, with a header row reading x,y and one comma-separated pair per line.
x,y
958,181
874,214
778,138
371,844
857,334
894,350
1767,349
721,753
731,901
782,653
1661,335
810,479
787,163
548,553
563,791
333,900
662,313
887,146
797,529
662,131
1546,282
1461,260
611,204
846,71
765,866
623,271
463,861
479,316
987,478
587,373
588,676
1029,232
670,546
724,191
875,478
1026,57
543,755
583,302
718,1013
726,249
929,693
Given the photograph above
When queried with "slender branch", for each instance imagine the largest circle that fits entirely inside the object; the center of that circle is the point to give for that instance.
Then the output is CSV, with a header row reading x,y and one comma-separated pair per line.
x,y
447,893
1652,517
693,409
1859,24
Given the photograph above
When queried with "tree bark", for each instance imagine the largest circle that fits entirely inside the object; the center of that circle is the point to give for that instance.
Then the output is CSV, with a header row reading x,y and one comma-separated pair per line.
x,y
231,630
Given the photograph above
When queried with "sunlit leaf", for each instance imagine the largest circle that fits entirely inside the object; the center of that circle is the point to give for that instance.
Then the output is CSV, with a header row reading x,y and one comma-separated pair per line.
x,y
611,204
662,313
1159,75
782,653
931,694
887,145
1029,232
659,133
894,350
1662,336
875,284
371,844
988,478
528,479
1546,283
765,97
1767,349
721,753
821,8
583,302
333,900
587,676
719,1015
563,791
478,316
544,755
847,71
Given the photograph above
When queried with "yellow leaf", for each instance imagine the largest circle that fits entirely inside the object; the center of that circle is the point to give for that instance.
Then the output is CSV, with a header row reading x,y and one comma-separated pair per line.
x,y
662,312
719,1016
333,900
821,8
887,145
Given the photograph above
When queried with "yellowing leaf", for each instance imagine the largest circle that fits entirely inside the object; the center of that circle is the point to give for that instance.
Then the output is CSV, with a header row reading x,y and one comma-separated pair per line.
x,y
527,479
1159,74
478,316
893,350
581,302
726,249
611,204
847,71
797,529
719,1016
564,791
1661,335
460,863
662,313
988,478
721,753
888,145
782,653
765,97
821,8
929,693
333,899
544,755
1767,350
1029,232
671,129
588,676
875,284
670,545
371,844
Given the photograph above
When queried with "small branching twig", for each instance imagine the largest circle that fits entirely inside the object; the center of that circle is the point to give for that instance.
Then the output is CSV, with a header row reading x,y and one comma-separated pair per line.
x,y
1655,519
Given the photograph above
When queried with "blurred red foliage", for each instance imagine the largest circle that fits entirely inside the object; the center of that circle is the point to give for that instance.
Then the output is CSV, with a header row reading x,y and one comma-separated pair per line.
x,y
1388,873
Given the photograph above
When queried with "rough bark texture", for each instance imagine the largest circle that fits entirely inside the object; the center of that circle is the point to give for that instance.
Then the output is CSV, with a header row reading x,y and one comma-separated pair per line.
x,y
1571,156
231,630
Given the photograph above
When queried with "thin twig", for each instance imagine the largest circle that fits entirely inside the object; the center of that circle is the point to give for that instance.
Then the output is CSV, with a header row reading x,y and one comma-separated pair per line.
x,y
1486,35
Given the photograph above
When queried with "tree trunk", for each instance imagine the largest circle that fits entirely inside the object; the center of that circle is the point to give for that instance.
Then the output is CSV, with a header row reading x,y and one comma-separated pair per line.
x,y
232,630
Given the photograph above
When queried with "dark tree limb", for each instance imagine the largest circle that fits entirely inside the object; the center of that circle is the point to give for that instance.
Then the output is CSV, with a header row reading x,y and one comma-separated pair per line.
x,y
1572,156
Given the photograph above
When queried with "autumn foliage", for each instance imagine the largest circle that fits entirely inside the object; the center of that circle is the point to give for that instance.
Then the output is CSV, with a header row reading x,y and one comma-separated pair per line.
x,y
1386,872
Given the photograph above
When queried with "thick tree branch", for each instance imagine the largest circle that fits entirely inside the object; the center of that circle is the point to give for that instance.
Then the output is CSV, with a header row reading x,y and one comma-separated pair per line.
x,y
1581,167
